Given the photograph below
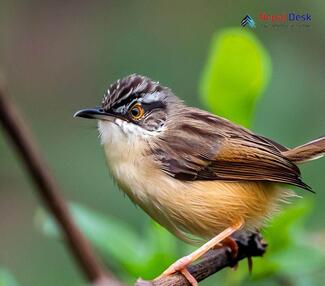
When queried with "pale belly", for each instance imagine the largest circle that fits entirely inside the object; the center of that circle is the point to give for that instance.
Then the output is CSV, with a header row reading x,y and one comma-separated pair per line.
x,y
199,208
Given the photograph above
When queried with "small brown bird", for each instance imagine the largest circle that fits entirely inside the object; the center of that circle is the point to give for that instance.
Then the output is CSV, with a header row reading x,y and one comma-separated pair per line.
x,y
195,173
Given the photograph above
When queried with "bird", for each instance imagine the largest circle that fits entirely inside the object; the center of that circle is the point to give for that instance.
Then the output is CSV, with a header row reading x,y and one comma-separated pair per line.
x,y
197,174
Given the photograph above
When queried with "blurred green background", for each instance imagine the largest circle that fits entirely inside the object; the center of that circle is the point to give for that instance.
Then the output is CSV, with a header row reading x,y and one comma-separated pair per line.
x,y
59,57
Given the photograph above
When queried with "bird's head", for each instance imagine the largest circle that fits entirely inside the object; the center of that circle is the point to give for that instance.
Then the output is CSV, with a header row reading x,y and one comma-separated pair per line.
x,y
133,108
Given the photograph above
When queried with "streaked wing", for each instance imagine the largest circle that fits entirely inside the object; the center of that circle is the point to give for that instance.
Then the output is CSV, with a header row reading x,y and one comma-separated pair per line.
x,y
212,148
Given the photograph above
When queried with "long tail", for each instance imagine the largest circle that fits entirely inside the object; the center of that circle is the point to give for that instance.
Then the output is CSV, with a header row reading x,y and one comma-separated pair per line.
x,y
307,152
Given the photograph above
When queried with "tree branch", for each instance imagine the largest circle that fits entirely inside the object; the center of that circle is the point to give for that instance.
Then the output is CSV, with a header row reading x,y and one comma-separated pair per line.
x,y
250,244
48,191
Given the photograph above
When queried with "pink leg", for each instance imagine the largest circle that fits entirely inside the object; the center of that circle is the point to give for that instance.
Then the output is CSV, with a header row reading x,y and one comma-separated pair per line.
x,y
181,264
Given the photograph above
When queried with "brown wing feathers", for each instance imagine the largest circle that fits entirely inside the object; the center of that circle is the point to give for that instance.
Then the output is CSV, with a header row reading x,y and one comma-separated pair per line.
x,y
251,162
212,148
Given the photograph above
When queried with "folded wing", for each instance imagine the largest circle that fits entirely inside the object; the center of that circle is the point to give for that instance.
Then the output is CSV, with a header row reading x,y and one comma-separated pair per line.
x,y
212,148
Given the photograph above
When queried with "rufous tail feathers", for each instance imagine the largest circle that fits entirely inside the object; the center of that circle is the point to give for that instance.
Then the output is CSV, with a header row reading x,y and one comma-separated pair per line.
x,y
310,151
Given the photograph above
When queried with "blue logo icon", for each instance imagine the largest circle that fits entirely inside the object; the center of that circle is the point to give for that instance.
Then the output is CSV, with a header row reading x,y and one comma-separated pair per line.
x,y
248,21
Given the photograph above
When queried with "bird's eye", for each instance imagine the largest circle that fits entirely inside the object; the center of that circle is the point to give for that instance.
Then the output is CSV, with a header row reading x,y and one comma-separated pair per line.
x,y
136,111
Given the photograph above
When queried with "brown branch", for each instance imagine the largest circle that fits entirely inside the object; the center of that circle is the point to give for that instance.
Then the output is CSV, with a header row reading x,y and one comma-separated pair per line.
x,y
48,191
250,244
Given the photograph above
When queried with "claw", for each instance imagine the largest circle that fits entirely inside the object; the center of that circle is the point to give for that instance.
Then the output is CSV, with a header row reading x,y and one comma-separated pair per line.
x,y
232,244
181,266
190,278
250,264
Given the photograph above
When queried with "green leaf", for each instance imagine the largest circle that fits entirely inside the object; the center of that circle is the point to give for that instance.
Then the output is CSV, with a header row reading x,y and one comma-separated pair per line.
x,y
119,244
290,251
287,226
112,238
6,278
162,247
235,75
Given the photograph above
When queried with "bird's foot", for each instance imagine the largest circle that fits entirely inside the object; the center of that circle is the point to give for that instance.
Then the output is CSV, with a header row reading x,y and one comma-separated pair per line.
x,y
181,266
232,245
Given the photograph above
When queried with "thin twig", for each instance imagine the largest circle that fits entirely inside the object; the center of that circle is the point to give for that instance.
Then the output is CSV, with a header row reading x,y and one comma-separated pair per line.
x,y
250,244
48,191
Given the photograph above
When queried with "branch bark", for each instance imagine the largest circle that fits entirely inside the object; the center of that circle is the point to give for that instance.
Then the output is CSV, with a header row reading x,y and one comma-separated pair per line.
x,y
48,191
250,244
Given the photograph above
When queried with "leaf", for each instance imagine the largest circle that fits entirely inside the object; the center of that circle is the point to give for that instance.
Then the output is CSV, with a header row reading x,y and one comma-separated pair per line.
x,y
162,246
6,278
287,226
235,75
113,238
289,252
119,244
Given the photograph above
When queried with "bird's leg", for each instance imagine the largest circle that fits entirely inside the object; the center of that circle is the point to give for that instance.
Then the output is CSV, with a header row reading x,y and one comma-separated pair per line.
x,y
181,264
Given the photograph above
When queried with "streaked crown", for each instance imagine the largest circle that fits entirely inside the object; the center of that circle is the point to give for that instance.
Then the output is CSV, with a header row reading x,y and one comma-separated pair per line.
x,y
135,103
139,100
128,89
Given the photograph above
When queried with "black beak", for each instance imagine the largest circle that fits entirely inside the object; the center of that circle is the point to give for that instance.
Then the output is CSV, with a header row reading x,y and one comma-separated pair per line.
x,y
93,113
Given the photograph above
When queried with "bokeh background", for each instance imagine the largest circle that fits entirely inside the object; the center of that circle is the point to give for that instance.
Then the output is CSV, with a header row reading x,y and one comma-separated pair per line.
x,y
60,56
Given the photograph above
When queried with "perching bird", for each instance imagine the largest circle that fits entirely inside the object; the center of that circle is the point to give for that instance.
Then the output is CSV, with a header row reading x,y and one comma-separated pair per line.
x,y
195,173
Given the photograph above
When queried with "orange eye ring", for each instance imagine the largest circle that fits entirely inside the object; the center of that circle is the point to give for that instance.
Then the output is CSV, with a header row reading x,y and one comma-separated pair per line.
x,y
136,111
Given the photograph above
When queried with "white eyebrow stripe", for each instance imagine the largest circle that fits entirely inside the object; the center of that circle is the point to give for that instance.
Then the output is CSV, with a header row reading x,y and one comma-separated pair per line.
x,y
151,97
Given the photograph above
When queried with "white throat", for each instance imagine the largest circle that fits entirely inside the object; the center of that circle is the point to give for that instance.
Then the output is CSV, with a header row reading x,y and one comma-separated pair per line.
x,y
121,130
